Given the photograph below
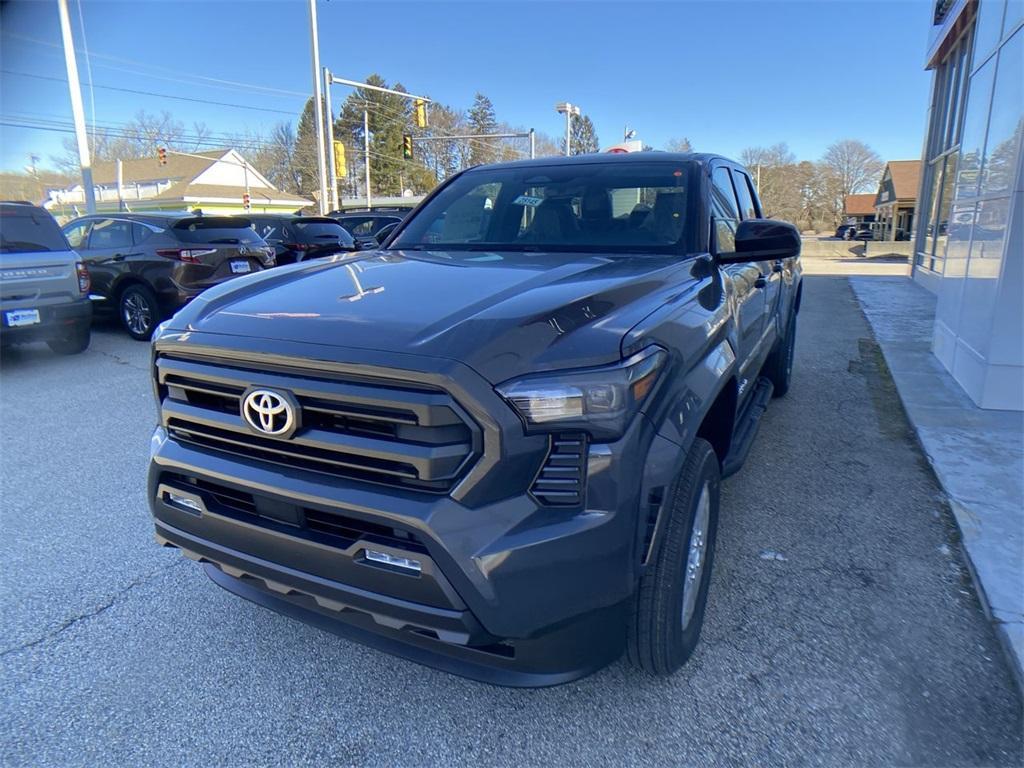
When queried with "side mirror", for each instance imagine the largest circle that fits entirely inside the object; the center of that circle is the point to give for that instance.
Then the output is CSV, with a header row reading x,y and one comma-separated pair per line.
x,y
763,240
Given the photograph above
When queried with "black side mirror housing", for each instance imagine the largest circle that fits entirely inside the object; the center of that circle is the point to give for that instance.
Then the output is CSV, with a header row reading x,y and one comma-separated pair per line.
x,y
763,240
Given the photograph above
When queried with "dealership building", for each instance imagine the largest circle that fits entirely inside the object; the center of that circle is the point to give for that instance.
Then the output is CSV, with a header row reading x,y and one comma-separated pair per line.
x,y
969,242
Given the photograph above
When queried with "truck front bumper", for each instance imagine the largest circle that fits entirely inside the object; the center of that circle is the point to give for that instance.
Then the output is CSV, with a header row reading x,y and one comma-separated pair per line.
x,y
510,593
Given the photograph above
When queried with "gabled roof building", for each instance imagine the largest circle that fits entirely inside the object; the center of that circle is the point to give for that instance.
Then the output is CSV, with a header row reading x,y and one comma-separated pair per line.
x,y
215,180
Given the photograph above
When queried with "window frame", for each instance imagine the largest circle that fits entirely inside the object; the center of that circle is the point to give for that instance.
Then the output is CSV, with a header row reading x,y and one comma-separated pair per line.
x,y
945,134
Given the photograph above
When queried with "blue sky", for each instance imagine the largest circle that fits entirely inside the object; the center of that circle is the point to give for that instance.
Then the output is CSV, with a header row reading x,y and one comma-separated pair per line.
x,y
726,74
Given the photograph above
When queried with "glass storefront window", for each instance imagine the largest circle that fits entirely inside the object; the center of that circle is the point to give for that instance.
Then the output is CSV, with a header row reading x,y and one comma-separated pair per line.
x,y
933,211
1006,122
944,207
975,125
988,29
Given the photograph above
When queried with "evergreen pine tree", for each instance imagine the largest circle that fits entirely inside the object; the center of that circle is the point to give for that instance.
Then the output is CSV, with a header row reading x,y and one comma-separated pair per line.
x,y
482,120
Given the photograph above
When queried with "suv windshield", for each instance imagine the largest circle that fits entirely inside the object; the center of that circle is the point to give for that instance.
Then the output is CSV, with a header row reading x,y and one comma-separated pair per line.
x,y
213,230
24,228
606,207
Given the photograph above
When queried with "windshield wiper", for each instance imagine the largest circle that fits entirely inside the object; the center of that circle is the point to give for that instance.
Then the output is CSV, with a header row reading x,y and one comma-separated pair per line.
x,y
225,241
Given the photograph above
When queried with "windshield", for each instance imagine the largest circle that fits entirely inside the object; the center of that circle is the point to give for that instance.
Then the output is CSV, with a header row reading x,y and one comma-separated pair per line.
x,y
25,229
606,207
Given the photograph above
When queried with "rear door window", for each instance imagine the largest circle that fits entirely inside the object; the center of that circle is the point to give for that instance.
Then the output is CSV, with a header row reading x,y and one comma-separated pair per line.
x,y
25,229
110,233
78,234
140,232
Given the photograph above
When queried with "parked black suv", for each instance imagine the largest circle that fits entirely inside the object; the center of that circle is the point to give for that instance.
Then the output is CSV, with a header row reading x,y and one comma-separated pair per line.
x,y
297,238
366,226
496,445
44,285
146,266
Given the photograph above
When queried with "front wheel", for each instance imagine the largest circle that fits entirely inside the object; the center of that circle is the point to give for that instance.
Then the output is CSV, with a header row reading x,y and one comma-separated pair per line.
x,y
139,311
668,610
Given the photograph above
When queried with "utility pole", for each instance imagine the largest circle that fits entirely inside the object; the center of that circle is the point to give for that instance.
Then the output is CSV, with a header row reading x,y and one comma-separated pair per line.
x,y
332,168
77,111
366,152
533,144
319,108
568,110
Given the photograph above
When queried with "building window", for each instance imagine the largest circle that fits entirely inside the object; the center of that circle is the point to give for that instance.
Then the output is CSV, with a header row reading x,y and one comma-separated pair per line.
x,y
941,153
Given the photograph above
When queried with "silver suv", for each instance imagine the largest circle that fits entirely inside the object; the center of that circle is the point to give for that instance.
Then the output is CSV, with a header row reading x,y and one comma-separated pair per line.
x,y
44,286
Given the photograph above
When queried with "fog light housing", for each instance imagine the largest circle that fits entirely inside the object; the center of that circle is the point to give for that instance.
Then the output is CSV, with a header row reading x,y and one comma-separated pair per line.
x,y
394,561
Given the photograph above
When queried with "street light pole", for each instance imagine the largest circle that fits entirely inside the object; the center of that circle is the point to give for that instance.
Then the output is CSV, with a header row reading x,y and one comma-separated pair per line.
x,y
366,152
318,108
568,110
77,110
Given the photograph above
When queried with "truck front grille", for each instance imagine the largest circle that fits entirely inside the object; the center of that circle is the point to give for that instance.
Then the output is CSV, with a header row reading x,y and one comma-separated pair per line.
x,y
377,430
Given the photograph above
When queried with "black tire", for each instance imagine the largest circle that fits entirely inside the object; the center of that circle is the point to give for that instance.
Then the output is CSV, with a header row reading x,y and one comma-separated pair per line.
x,y
73,344
659,642
778,368
139,312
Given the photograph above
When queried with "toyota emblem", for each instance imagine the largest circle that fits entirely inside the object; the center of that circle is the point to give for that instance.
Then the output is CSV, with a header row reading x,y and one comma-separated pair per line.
x,y
269,412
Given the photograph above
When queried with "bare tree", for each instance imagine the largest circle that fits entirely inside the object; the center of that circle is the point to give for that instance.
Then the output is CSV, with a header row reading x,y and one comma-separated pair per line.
x,y
679,145
855,166
137,138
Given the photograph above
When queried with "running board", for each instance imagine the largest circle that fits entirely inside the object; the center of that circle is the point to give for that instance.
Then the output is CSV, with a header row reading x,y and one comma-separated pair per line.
x,y
747,424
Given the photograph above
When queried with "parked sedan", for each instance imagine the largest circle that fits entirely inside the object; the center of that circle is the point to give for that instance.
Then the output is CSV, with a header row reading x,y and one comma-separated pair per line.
x,y
147,266
298,238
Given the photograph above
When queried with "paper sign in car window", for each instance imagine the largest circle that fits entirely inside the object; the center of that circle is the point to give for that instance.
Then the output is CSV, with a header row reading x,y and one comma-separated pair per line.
x,y
533,202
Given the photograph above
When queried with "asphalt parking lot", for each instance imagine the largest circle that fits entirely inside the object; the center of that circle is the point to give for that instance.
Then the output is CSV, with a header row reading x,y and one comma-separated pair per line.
x,y
841,627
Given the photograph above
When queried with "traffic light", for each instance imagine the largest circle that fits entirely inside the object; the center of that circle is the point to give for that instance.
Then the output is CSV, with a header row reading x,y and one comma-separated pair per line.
x,y
161,155
407,146
421,113
245,200
340,166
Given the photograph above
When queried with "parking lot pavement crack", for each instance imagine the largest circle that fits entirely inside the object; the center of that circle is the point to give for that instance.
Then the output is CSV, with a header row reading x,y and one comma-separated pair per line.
x,y
121,361
92,613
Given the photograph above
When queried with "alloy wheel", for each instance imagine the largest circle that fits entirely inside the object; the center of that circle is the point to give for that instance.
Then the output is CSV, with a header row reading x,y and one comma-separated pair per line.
x,y
696,554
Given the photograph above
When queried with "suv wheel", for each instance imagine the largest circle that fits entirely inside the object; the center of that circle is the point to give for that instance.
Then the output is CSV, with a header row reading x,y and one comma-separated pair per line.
x,y
71,345
668,609
778,368
139,311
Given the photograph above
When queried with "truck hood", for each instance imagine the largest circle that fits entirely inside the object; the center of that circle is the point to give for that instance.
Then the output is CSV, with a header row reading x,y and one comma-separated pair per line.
x,y
503,314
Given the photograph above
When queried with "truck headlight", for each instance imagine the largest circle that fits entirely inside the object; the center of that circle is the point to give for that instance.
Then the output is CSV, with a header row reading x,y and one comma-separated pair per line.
x,y
600,401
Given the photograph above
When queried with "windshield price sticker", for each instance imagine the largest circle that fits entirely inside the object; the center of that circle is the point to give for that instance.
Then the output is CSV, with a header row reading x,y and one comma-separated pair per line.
x,y
533,202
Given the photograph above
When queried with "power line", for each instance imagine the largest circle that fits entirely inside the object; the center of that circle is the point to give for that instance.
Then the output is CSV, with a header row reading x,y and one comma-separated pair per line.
x,y
153,93
213,82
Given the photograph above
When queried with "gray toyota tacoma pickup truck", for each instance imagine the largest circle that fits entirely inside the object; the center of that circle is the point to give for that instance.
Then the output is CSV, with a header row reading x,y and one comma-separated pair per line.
x,y
496,445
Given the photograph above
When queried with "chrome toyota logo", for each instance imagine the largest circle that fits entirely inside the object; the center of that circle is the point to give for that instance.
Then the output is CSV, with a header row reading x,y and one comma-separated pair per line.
x,y
270,413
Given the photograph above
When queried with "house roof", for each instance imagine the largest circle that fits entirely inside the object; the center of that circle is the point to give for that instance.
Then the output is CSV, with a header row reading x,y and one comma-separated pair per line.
x,y
149,169
906,176
183,189
859,205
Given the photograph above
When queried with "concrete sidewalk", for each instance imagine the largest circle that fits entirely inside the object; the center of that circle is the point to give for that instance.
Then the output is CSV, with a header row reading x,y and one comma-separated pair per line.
x,y
977,455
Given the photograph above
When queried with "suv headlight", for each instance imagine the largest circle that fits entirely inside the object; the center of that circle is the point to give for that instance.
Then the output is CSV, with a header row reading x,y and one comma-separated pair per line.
x,y
600,401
